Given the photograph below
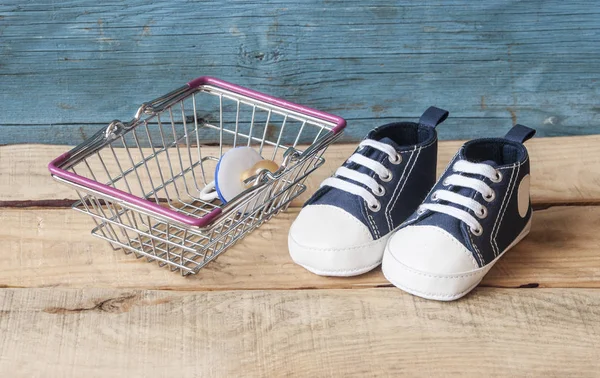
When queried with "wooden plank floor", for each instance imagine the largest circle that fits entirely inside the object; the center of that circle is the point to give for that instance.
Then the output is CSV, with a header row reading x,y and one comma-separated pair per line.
x,y
71,306
564,171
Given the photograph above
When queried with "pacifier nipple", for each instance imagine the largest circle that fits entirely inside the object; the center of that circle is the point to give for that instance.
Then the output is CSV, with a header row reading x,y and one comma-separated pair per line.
x,y
269,165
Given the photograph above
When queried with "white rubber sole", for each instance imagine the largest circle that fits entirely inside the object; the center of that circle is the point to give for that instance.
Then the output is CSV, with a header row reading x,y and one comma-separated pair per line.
x,y
346,262
341,273
439,287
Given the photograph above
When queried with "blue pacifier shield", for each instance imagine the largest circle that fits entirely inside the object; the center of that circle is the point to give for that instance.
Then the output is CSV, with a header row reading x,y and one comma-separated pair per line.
x,y
230,167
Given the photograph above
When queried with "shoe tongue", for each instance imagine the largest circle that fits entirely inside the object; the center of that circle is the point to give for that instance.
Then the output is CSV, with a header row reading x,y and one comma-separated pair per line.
x,y
490,162
376,154
389,141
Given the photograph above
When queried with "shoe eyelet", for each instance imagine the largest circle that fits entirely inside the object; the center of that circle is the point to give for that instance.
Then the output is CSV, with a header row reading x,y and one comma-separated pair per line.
x,y
387,178
421,211
375,208
396,160
477,231
481,214
445,182
380,191
498,177
434,196
491,197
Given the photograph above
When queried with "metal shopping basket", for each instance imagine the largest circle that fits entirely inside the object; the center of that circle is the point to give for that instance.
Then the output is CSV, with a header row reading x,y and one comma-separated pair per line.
x,y
140,180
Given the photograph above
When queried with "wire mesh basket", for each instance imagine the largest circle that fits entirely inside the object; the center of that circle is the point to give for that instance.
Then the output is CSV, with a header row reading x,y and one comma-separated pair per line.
x,y
141,180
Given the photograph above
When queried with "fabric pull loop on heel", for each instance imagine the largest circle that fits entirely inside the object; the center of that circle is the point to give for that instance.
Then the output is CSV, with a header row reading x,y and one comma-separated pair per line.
x,y
520,133
433,116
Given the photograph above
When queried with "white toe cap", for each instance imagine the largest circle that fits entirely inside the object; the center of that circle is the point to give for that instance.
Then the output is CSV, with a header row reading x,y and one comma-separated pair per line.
x,y
429,262
329,241
431,249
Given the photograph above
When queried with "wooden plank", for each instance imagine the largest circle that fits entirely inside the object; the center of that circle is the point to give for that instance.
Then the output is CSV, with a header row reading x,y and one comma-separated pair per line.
x,y
375,332
43,247
509,61
564,170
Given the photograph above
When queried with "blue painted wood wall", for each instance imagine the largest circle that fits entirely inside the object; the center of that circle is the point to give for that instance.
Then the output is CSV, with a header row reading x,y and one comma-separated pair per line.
x,y
68,68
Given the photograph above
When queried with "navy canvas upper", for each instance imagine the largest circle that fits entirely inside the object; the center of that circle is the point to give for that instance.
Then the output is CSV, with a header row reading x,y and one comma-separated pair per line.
x,y
412,177
503,223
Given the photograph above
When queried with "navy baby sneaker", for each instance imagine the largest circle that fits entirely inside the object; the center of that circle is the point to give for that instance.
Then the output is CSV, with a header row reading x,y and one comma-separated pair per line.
x,y
343,228
476,212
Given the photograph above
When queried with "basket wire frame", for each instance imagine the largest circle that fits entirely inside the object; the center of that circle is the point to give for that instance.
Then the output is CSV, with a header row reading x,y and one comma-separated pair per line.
x,y
164,158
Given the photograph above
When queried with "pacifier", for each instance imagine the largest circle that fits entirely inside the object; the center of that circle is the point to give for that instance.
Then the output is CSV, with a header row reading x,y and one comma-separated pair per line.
x,y
233,169
269,165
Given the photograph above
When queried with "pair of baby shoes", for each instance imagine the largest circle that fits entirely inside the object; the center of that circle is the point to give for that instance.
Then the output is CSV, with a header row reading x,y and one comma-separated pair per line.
x,y
434,240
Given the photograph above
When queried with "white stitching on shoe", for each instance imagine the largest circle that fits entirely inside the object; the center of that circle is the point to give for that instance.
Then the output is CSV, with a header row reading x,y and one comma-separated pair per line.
x,y
410,221
504,211
388,216
404,183
494,248
430,143
476,250
365,214
469,234
387,208
390,222
371,221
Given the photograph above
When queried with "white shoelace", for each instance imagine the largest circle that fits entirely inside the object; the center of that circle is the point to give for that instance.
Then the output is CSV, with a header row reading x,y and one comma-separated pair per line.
x,y
480,211
382,172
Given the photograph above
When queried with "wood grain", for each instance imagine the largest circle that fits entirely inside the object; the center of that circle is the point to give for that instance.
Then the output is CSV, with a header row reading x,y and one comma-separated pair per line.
x,y
491,63
564,170
310,333
45,247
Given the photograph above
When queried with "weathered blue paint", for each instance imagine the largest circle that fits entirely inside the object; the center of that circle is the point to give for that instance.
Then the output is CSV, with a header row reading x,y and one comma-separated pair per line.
x,y
68,68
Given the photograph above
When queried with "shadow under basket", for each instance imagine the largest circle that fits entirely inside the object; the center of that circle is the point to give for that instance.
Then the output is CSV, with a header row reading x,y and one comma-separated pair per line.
x,y
141,180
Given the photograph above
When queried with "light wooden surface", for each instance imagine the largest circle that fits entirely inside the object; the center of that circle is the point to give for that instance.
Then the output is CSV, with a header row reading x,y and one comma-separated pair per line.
x,y
67,68
310,333
70,306
52,247
564,171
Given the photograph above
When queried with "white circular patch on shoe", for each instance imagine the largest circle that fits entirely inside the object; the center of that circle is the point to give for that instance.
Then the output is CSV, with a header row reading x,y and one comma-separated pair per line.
x,y
523,196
